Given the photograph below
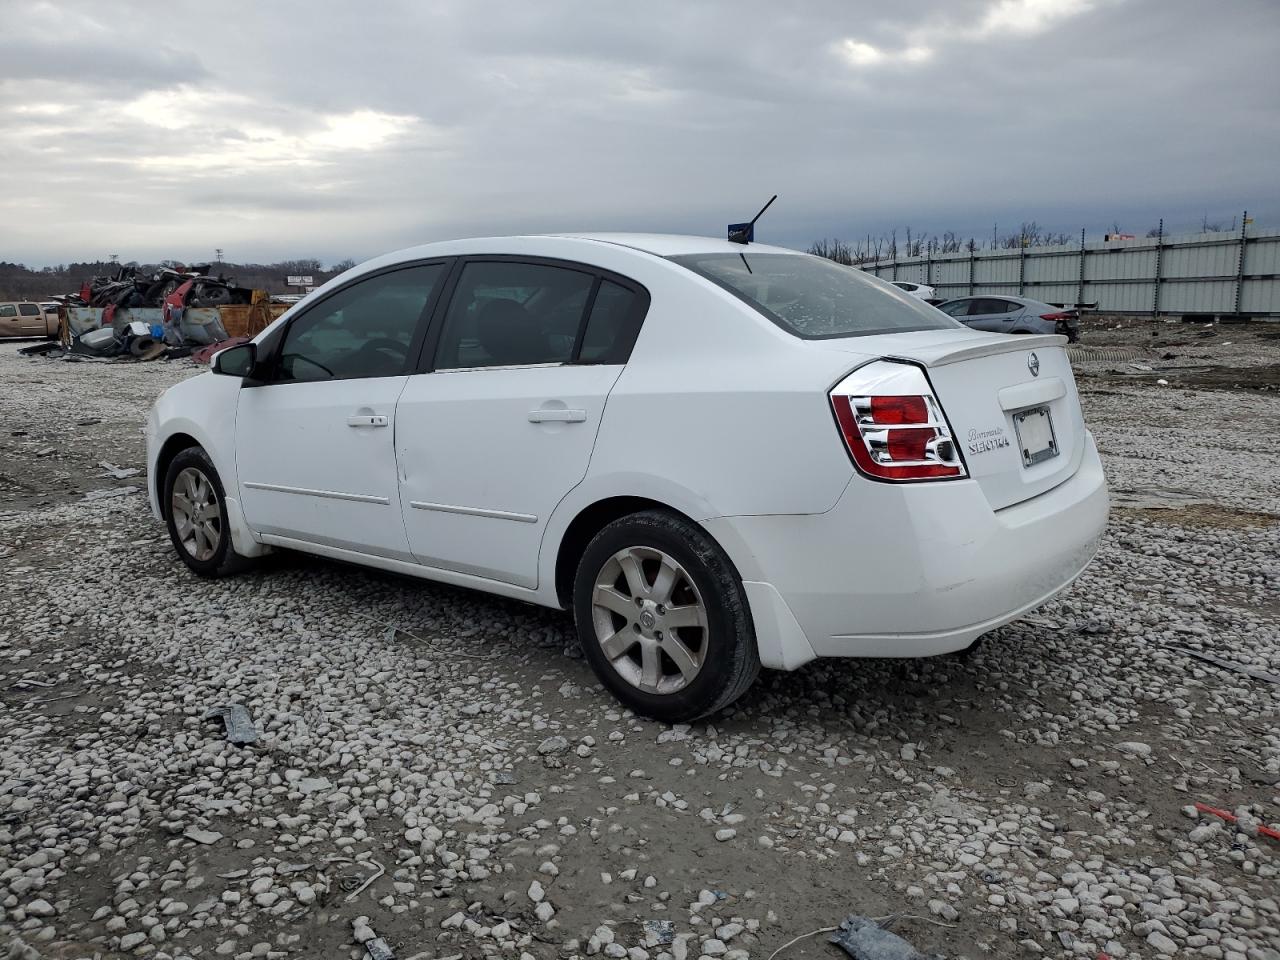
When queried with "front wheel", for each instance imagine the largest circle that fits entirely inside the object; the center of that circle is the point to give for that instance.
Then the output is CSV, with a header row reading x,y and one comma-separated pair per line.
x,y
663,618
196,514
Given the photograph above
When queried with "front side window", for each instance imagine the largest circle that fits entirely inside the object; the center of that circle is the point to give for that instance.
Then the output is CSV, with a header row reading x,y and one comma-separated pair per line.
x,y
508,313
956,308
29,309
8,310
814,298
364,330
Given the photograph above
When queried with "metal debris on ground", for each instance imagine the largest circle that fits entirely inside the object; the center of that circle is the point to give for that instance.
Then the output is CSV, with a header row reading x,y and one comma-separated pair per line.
x,y
658,933
362,932
1240,668
118,473
353,882
108,492
239,725
1229,817
38,349
865,939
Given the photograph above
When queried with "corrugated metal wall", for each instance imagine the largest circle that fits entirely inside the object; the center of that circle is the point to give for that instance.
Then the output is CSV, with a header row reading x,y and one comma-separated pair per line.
x,y
1210,273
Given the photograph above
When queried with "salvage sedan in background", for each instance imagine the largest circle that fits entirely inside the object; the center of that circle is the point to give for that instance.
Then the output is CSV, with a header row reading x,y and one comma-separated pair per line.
x,y
719,456
919,290
1004,314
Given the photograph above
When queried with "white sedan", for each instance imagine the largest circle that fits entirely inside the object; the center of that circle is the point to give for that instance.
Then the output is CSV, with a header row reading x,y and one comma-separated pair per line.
x,y
718,456
920,290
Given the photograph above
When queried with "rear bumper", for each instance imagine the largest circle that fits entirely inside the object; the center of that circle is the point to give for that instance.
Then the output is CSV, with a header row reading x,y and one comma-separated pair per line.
x,y
910,571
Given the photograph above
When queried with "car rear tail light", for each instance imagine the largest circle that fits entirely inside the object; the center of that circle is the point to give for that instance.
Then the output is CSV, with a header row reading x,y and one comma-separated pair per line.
x,y
893,425
1065,315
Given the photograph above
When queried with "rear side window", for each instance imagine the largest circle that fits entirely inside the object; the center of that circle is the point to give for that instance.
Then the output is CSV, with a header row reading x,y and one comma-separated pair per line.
x,y
508,313
364,330
613,325
986,306
814,298
29,309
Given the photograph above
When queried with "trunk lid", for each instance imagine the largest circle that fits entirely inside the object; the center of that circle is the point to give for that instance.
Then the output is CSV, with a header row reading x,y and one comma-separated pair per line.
x,y
984,382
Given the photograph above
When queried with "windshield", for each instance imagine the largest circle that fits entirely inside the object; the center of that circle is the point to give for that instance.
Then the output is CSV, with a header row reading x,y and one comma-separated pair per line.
x,y
814,298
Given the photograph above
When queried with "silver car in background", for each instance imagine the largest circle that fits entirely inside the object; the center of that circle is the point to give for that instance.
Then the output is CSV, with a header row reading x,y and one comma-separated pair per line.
x,y
1004,314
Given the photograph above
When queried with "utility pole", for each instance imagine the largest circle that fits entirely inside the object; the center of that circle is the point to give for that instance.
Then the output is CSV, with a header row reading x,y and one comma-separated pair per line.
x,y
1244,240
1155,291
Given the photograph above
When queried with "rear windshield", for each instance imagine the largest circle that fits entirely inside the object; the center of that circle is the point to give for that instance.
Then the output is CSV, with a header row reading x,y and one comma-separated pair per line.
x,y
815,298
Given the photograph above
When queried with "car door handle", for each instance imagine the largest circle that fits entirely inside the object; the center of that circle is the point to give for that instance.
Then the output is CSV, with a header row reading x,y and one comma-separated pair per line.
x,y
557,416
368,420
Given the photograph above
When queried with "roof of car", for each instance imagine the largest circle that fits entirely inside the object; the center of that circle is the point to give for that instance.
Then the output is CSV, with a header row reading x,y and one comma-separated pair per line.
x,y
673,244
546,244
998,296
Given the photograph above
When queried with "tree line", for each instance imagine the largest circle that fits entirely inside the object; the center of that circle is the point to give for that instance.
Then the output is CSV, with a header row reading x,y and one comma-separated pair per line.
x,y
20,282
1029,234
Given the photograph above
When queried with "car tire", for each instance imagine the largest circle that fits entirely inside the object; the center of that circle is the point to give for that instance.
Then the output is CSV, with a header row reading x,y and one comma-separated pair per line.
x,y
663,618
195,510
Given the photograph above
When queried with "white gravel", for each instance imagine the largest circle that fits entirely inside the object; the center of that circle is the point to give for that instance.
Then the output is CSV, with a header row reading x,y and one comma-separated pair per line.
x,y
460,786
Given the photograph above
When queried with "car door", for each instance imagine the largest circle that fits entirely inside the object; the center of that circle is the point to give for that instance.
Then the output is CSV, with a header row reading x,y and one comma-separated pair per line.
x,y
10,320
501,424
315,452
31,319
986,313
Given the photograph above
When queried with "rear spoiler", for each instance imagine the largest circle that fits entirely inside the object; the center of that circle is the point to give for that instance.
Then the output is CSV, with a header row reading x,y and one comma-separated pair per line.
x,y
999,343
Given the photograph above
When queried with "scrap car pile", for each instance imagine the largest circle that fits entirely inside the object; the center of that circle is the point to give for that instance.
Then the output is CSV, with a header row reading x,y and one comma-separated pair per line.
x,y
171,312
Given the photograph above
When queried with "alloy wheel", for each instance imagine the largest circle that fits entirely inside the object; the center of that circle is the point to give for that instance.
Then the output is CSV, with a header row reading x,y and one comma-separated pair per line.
x,y
650,620
197,518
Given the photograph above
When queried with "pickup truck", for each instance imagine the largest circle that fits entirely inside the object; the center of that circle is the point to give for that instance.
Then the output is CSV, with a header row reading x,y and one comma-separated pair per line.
x,y
20,318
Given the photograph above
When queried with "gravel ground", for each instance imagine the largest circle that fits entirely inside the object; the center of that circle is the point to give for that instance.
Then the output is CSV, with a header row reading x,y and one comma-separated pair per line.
x,y
439,769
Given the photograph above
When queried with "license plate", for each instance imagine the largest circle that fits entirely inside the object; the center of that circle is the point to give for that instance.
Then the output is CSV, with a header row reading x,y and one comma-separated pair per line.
x,y
1035,435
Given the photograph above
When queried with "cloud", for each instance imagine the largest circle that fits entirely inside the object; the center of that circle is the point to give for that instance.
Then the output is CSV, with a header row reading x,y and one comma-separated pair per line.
x,y
244,146
1027,17
333,130
860,54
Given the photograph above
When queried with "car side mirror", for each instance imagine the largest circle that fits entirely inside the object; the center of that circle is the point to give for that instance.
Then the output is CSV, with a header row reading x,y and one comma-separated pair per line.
x,y
237,361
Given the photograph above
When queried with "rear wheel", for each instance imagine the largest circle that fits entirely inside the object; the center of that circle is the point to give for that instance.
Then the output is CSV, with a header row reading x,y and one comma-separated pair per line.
x,y
663,618
196,514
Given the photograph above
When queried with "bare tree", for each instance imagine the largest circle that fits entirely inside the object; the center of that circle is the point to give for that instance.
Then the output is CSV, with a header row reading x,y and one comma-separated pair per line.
x,y
836,250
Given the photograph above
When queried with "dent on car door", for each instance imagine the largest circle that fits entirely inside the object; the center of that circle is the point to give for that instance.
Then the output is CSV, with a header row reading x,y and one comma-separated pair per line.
x,y
314,448
503,425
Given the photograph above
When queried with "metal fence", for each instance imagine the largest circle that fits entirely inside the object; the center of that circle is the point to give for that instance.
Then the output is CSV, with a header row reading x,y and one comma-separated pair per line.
x,y
1207,274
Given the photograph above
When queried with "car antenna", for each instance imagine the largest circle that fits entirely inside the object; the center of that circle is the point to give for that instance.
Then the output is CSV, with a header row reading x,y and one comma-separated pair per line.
x,y
744,232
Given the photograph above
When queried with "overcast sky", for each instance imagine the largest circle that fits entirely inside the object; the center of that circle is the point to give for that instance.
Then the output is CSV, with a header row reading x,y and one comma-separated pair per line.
x,y
332,129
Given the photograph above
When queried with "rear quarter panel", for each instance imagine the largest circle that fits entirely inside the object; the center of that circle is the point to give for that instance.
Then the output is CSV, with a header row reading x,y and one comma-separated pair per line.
x,y
718,401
